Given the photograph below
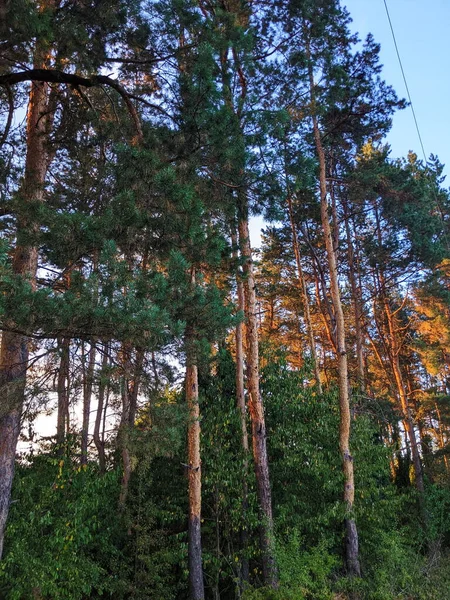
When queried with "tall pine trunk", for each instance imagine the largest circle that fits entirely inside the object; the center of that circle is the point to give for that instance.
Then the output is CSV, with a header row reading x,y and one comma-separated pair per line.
x,y
14,348
240,401
194,467
351,542
256,408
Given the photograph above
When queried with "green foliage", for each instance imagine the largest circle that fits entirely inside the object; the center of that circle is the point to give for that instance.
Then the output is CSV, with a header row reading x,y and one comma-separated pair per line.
x,y
62,533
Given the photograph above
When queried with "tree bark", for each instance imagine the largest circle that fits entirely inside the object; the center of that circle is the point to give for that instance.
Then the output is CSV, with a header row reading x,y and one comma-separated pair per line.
x,y
256,407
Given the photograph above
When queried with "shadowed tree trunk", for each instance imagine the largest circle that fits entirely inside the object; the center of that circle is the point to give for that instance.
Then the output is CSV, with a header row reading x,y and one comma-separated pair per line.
x,y
63,393
132,371
356,301
14,348
88,380
98,441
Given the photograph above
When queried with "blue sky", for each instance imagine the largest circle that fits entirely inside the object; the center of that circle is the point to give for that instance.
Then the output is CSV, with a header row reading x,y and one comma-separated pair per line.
x,y
422,30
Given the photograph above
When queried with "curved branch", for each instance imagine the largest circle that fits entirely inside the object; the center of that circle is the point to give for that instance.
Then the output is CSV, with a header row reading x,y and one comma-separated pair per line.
x,y
56,76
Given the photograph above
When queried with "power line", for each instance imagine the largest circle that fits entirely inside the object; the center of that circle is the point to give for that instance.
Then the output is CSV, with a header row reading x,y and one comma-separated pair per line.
x,y
435,196
405,80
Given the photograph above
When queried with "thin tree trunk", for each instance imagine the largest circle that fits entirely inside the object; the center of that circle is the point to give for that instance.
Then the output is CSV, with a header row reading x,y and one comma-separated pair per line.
x,y
304,294
130,393
351,546
406,410
356,301
240,401
63,393
98,441
88,380
440,437
194,468
394,359
256,407
14,348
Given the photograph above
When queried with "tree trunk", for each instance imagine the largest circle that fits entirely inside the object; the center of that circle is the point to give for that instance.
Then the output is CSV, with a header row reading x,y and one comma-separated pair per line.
x,y
356,301
256,408
194,474
98,441
88,380
351,543
63,393
404,403
440,436
14,349
130,393
304,294
394,347
240,401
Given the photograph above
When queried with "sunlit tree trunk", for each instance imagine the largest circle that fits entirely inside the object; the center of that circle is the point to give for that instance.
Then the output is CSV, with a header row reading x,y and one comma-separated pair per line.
x,y
393,346
351,547
194,468
255,405
240,401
